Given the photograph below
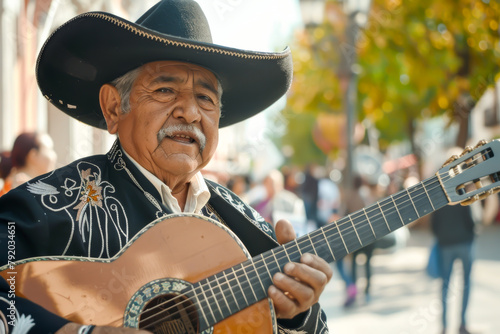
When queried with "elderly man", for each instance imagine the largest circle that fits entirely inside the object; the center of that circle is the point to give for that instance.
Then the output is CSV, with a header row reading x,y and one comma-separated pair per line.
x,y
164,89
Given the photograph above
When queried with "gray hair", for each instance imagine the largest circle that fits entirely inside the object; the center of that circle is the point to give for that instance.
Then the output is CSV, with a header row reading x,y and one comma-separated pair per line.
x,y
124,86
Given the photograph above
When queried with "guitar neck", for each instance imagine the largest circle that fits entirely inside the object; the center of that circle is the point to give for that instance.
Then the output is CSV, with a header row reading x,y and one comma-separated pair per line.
x,y
361,228
238,287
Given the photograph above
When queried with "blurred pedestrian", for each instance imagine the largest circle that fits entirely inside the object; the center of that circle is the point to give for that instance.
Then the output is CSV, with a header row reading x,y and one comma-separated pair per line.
x,y
32,155
328,203
453,227
365,192
239,184
5,167
279,203
309,194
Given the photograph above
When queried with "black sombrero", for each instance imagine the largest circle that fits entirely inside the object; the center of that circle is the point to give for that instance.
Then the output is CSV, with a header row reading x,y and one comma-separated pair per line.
x,y
95,48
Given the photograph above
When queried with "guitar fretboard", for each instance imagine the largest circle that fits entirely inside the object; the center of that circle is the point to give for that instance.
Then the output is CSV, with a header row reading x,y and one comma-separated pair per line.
x,y
236,288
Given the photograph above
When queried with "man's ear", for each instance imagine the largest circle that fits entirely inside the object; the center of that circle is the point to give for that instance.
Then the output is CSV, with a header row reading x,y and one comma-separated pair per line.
x,y
110,101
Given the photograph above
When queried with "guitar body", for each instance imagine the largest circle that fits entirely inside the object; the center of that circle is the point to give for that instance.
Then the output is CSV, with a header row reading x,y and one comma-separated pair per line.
x,y
163,259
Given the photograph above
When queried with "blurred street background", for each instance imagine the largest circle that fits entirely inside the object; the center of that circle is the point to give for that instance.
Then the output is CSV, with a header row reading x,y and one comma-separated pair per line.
x,y
406,301
383,93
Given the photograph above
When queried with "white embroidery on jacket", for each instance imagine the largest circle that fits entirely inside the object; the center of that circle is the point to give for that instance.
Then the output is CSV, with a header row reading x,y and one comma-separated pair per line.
x,y
246,210
21,324
90,206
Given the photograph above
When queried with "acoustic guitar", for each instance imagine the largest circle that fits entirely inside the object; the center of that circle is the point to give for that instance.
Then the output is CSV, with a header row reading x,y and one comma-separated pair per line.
x,y
190,274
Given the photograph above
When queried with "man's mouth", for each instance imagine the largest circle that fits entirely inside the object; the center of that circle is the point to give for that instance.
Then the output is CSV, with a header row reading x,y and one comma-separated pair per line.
x,y
182,138
186,134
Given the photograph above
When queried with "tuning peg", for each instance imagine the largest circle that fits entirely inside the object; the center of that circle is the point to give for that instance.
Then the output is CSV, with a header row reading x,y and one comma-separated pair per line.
x,y
470,200
450,160
480,196
480,143
486,194
467,150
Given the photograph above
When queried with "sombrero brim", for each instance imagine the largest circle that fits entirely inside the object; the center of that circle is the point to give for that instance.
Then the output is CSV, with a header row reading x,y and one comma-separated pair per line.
x,y
95,48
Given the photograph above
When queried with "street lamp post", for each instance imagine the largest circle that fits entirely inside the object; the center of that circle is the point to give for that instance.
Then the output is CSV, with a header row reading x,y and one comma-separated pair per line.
x,y
357,13
312,12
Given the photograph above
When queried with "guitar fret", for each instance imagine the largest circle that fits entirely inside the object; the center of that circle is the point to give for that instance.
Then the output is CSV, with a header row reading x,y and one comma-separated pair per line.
x,y
338,248
396,207
312,244
212,290
383,215
292,251
407,207
231,290
353,232
249,283
411,200
241,288
201,308
278,264
369,222
286,253
342,238
208,303
328,244
321,246
354,227
298,247
258,276
391,215
421,199
222,291
265,265
425,189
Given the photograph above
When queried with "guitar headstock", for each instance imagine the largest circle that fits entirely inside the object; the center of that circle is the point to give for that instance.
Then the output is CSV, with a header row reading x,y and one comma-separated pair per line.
x,y
472,175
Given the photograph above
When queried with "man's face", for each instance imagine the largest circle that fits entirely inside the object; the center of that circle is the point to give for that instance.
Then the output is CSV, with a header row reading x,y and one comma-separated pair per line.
x,y
172,126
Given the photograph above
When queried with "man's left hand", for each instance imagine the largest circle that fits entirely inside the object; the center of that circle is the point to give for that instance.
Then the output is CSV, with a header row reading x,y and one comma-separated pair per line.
x,y
300,285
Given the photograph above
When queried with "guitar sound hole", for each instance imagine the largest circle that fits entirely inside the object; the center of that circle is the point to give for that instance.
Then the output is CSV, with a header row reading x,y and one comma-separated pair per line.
x,y
169,314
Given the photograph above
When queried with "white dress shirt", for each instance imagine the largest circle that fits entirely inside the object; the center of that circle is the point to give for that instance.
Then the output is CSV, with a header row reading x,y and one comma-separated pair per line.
x,y
197,197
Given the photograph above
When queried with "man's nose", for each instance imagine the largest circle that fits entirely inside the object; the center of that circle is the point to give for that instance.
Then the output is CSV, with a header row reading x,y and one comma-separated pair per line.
x,y
187,108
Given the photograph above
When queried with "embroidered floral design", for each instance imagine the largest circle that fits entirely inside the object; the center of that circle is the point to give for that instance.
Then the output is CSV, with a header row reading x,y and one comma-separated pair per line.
x,y
96,214
91,193
21,323
246,210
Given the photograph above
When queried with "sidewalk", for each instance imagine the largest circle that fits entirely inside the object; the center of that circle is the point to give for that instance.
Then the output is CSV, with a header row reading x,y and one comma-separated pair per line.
x,y
404,300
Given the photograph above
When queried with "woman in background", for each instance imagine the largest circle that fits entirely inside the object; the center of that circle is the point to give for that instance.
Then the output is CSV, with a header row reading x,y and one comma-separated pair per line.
x,y
32,155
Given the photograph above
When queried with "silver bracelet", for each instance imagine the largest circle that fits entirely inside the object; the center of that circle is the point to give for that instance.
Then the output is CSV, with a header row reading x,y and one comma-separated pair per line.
x,y
86,329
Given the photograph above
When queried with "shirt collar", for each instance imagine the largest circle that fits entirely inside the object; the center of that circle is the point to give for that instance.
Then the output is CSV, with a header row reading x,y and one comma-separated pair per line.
x,y
198,193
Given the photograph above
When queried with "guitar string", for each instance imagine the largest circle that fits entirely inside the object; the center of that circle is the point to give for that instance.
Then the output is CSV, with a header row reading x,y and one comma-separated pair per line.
x,y
254,263
221,291
280,252
349,231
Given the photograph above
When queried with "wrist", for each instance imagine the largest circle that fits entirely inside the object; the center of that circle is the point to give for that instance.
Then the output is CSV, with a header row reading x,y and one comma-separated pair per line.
x,y
86,329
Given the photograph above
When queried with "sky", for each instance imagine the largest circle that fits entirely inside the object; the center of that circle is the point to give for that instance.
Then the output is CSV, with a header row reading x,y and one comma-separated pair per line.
x,y
261,25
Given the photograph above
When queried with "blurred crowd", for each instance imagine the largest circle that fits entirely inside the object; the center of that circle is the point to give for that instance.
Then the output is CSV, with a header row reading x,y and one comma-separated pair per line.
x,y
312,197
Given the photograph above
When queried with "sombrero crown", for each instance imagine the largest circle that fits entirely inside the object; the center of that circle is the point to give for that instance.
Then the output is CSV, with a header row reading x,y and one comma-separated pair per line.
x,y
95,48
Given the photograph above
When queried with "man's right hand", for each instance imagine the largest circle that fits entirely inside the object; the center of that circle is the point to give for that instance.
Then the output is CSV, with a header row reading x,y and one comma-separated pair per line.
x,y
72,328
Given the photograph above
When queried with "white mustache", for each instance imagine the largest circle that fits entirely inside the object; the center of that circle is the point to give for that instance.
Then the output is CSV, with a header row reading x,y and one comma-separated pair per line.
x,y
191,129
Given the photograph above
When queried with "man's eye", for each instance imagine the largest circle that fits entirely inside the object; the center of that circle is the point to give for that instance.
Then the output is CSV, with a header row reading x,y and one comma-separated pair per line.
x,y
205,98
163,90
